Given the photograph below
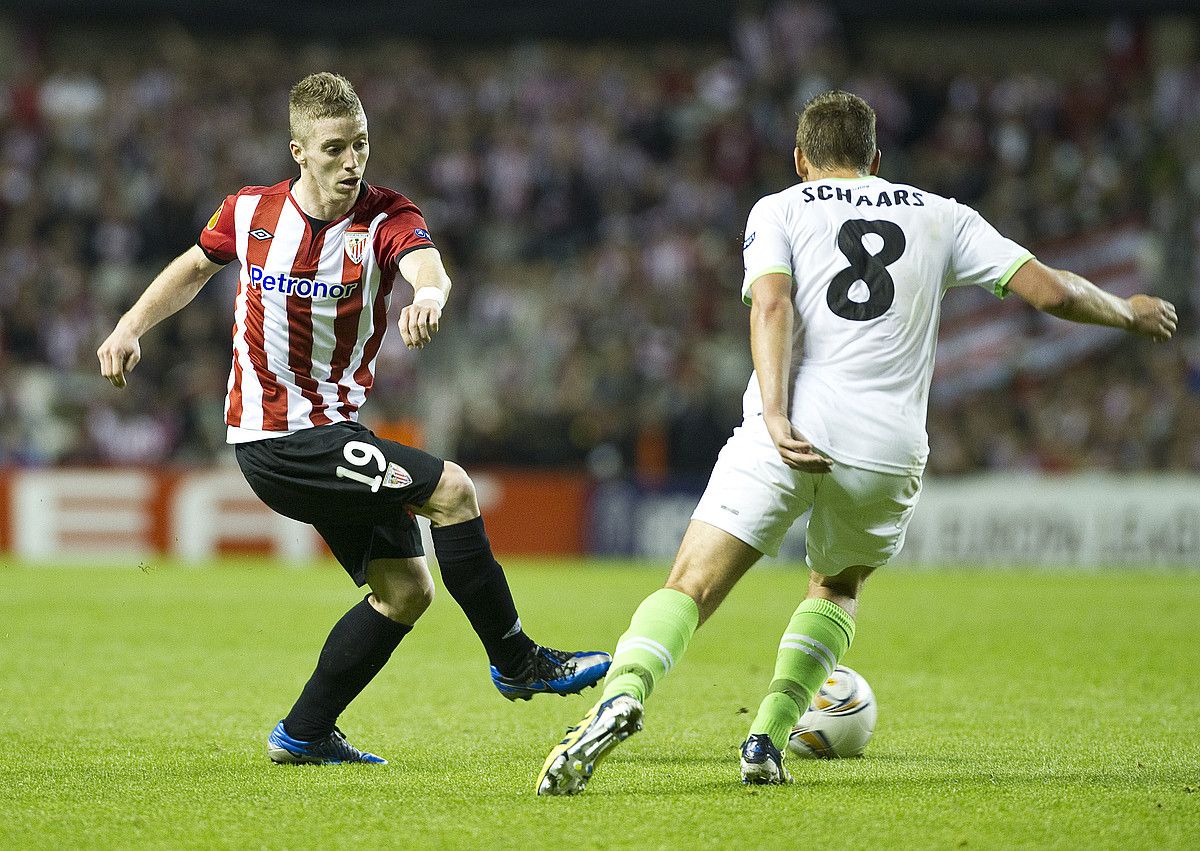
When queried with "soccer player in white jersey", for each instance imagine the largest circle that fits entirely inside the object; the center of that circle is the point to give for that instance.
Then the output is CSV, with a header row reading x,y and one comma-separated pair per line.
x,y
845,273
319,256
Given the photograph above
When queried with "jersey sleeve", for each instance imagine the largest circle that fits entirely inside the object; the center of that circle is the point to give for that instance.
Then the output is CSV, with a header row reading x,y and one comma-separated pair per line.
x,y
765,249
982,256
218,240
404,231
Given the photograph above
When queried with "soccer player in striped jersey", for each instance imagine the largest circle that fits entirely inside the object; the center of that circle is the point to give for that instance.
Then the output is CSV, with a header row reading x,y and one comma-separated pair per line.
x,y
845,273
320,255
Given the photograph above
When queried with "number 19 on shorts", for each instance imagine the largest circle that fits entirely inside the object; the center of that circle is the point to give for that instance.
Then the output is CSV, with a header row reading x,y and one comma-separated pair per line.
x,y
361,455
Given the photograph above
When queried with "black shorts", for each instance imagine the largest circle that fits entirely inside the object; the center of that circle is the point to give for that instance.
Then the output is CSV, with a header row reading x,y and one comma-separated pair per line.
x,y
354,487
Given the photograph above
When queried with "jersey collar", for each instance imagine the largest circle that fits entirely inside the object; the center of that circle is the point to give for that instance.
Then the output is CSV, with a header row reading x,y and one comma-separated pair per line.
x,y
363,188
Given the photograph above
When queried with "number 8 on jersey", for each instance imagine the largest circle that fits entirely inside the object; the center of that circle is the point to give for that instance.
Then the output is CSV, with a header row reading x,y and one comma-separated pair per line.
x,y
864,266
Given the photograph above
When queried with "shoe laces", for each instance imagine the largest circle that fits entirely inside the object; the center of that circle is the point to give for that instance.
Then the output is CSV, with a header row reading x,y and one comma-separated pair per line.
x,y
551,664
337,739
758,749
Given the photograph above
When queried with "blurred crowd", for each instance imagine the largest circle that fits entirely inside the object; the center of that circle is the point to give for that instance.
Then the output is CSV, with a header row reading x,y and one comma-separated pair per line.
x,y
589,201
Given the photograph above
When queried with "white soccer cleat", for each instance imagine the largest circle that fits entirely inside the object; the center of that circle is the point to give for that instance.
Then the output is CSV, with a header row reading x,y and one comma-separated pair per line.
x,y
762,763
570,764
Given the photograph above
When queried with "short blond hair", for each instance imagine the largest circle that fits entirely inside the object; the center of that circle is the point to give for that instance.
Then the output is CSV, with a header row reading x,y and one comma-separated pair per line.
x,y
837,130
321,95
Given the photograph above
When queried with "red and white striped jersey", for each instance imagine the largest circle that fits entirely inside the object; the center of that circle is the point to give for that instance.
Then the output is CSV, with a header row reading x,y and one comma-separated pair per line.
x,y
311,308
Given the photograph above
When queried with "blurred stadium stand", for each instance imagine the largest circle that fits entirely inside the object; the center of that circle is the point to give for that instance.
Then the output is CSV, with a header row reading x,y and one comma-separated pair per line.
x,y
589,187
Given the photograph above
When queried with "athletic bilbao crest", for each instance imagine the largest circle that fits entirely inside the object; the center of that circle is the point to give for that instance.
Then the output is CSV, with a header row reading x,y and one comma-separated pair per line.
x,y
356,244
396,477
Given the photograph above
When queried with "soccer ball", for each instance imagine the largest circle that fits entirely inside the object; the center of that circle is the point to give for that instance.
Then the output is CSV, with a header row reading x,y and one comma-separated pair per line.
x,y
840,721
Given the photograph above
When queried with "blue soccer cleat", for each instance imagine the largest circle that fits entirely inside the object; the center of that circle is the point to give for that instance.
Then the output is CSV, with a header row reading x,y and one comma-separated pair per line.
x,y
331,750
552,671
762,763
571,762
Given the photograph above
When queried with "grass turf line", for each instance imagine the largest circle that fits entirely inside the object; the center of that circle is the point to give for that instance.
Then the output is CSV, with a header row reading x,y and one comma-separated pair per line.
x,y
1016,709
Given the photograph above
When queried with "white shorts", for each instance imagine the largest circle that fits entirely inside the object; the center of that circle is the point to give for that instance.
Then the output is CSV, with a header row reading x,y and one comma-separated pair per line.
x,y
858,516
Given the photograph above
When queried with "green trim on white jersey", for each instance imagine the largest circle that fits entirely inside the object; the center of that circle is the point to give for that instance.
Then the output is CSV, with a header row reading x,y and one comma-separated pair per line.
x,y
773,270
1001,288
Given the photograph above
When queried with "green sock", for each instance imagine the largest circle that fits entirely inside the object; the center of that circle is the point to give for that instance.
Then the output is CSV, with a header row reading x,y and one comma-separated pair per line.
x,y
658,634
818,635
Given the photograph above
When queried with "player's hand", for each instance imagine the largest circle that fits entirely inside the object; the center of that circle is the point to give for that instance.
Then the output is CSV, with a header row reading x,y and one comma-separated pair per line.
x,y
795,451
118,355
419,322
1153,317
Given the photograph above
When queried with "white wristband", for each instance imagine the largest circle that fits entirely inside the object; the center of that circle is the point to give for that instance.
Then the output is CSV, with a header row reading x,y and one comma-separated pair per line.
x,y
435,294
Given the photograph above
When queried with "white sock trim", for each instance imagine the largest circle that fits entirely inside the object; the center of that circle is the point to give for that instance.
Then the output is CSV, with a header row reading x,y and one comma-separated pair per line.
x,y
804,648
830,658
640,642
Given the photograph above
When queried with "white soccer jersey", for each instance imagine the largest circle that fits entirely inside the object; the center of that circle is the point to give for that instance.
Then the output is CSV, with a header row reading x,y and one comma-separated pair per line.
x,y
870,261
311,308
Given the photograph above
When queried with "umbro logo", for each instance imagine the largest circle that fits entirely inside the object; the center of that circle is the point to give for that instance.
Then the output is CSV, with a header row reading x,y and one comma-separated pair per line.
x,y
259,233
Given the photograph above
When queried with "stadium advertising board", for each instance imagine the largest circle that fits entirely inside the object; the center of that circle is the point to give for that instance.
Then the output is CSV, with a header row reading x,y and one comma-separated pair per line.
x,y
1069,521
986,521
114,515
631,520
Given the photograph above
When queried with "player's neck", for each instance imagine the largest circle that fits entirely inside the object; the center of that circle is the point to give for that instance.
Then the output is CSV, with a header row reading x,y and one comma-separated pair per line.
x,y
318,204
835,174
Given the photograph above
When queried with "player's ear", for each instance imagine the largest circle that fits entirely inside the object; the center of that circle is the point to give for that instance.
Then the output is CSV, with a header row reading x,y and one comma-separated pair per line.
x,y
297,151
875,161
801,165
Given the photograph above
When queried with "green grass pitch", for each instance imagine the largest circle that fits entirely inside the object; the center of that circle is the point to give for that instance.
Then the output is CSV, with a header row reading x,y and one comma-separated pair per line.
x,y
1017,709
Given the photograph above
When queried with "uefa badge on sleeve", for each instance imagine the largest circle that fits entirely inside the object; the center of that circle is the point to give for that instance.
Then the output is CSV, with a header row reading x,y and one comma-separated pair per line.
x,y
356,244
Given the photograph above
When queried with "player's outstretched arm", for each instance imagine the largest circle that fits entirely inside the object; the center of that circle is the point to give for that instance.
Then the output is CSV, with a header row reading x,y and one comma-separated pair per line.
x,y
1069,296
174,287
424,270
771,319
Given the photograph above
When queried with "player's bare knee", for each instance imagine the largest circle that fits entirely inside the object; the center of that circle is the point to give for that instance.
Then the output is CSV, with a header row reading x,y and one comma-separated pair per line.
x,y
709,563
454,499
422,594
401,589
388,606
842,589
403,602
705,597
708,595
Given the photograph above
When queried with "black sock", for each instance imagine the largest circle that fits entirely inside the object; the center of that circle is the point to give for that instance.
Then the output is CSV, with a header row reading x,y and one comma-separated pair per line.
x,y
358,646
476,582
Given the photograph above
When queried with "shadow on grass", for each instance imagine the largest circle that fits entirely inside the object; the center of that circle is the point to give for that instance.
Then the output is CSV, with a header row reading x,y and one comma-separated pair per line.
x,y
691,777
